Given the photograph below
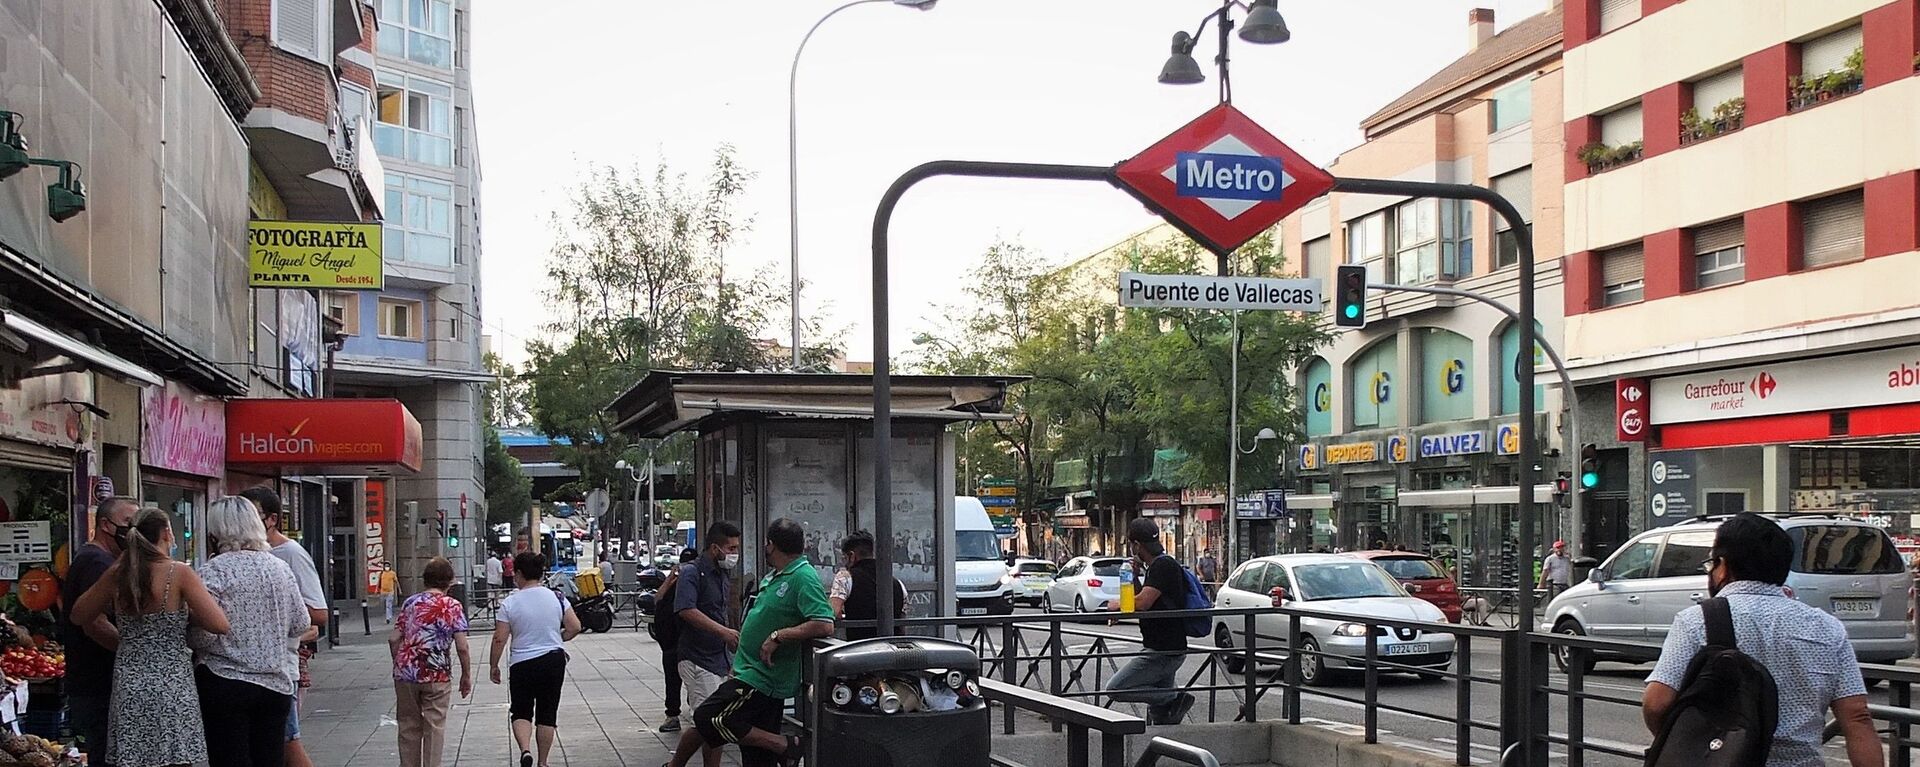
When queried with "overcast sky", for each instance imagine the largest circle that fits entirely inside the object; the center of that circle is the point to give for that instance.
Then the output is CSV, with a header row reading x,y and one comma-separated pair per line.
x,y
883,88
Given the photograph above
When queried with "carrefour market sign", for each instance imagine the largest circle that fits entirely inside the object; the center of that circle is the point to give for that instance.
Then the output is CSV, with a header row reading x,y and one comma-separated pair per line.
x,y
323,255
1885,377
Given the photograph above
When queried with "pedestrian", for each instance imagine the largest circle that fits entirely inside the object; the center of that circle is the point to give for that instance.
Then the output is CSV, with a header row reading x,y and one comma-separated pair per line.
x,y
389,590
537,623
791,611
1151,678
665,630
312,594
1805,648
89,680
247,676
707,637
430,631
1556,570
1209,569
155,714
856,584
493,572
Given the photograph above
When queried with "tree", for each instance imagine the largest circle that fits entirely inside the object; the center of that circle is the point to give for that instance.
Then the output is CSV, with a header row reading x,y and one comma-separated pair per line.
x,y
505,397
509,491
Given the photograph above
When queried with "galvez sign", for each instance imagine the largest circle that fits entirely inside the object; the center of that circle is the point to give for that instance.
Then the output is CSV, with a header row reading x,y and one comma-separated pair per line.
x,y
322,432
1885,377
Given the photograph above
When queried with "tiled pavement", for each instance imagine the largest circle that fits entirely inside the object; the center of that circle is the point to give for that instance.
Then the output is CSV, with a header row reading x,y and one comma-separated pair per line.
x,y
607,719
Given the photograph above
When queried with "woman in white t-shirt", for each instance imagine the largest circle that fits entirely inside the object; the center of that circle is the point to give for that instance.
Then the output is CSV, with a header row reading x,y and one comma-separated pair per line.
x,y
536,622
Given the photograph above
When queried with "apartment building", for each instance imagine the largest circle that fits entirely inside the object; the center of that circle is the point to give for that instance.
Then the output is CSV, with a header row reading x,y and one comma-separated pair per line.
x,y
1741,254
1412,421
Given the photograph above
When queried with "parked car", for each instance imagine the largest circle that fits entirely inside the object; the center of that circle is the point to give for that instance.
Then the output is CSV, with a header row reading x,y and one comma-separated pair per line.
x,y
1423,576
1334,583
1085,583
1029,579
1843,566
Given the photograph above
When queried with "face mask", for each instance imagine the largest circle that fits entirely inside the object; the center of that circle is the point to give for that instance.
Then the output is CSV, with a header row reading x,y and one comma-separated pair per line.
x,y
730,561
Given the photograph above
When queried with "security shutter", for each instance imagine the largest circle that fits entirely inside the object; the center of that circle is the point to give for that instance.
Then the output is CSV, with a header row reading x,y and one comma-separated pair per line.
x,y
1834,228
1829,52
1722,235
1615,14
1620,126
1622,265
1517,187
30,456
299,27
1317,258
1710,92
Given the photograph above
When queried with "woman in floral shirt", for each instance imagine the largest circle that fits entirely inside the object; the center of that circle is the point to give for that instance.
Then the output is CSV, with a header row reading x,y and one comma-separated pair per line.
x,y
428,629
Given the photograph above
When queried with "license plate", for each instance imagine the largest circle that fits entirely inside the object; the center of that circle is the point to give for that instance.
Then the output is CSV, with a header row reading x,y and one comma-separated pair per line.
x,y
1867,607
1414,648
1038,584
973,611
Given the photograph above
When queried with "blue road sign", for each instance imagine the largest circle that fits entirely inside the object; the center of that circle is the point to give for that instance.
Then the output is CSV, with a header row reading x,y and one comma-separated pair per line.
x,y
998,500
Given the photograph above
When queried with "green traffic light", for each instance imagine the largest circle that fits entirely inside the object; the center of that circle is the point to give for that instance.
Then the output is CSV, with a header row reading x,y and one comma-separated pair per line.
x,y
1589,479
1352,311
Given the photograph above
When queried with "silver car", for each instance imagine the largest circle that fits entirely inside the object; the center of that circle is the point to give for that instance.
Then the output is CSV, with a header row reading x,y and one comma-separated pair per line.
x,y
1086,584
1030,579
1337,584
1843,566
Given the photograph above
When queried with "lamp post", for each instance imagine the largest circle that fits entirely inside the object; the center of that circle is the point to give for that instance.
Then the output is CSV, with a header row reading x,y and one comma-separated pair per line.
x,y
643,529
793,160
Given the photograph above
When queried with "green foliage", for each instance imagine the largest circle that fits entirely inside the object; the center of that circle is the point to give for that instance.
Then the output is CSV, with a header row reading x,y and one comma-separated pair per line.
x,y
509,491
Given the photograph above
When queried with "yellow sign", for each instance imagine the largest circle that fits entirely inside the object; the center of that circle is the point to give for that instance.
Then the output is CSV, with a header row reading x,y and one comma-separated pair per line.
x,y
324,255
1353,452
999,492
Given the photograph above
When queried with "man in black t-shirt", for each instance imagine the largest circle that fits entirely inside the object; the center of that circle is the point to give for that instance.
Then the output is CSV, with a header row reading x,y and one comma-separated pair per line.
x,y
1150,679
89,681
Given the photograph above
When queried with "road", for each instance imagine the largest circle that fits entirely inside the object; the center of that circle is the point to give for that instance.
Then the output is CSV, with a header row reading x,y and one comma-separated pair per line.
x,y
1606,724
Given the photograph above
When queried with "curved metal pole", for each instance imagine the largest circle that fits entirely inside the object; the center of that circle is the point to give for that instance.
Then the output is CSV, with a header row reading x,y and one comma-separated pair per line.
x,y
793,173
882,366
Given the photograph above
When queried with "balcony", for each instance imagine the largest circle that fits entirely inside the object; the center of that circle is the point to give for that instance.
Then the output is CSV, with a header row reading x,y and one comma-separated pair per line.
x,y
324,171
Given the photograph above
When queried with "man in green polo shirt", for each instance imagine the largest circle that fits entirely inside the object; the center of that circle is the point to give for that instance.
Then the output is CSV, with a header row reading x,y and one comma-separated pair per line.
x,y
791,610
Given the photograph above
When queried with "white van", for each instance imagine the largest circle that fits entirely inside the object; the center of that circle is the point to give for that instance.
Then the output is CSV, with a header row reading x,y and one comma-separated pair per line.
x,y
981,585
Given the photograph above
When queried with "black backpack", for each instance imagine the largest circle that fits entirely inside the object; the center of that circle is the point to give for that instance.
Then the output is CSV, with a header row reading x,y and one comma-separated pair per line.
x,y
1727,708
665,627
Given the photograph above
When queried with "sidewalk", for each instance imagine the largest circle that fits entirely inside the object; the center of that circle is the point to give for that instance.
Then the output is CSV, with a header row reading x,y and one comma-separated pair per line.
x,y
607,719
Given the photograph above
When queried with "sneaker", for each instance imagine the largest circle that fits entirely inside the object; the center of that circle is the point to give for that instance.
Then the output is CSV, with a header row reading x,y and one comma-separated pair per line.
x,y
526,759
672,725
1178,713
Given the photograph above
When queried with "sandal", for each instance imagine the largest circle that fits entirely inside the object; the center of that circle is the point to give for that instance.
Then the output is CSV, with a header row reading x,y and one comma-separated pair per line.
x,y
794,753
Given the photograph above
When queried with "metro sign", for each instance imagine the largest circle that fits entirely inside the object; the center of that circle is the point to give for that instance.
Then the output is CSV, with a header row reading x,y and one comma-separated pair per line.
x,y
1222,179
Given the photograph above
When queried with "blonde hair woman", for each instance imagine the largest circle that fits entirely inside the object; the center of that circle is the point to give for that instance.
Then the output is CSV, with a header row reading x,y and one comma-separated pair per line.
x,y
155,716
247,676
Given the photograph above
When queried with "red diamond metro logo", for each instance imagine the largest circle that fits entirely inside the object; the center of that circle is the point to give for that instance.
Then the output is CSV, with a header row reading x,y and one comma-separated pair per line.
x,y
1222,179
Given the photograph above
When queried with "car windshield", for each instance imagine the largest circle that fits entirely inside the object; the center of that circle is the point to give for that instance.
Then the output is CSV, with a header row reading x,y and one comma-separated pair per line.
x,y
976,546
1108,567
1036,568
1411,568
1843,550
1344,581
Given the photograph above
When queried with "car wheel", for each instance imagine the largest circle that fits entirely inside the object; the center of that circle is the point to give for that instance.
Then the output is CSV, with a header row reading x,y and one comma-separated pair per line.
x,y
1563,656
1046,605
1079,603
1223,639
1313,667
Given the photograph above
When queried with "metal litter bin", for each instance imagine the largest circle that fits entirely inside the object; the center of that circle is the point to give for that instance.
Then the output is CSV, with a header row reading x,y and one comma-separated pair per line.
x,y
897,701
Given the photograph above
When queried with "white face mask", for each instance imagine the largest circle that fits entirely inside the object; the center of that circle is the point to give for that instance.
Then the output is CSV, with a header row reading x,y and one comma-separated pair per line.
x,y
730,561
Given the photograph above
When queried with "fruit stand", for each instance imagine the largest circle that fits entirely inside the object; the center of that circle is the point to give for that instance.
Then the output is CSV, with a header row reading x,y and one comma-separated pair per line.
x,y
34,518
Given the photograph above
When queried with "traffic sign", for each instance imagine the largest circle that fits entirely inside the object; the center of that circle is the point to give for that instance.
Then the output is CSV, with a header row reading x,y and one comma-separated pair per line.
x,y
999,490
1222,179
991,501
1192,291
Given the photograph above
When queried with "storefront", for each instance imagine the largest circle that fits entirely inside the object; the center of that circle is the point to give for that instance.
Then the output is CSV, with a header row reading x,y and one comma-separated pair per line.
x,y
1199,522
1265,527
182,460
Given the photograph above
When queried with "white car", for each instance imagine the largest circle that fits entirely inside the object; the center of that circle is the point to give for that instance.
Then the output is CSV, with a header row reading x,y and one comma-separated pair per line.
x,y
1336,584
1030,579
1086,584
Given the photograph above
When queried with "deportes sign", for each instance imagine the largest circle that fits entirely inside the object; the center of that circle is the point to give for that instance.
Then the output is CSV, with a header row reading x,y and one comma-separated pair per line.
x,y
1630,404
1885,377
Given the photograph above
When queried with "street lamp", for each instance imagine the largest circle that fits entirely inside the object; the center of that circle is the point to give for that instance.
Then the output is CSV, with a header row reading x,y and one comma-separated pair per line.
x,y
1263,26
1263,436
793,160
642,529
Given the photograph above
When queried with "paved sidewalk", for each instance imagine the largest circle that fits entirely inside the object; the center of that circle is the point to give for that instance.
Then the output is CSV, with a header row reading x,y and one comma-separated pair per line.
x,y
607,719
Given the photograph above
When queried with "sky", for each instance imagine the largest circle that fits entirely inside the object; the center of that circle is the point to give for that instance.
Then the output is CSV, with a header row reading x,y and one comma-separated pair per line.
x,y
561,84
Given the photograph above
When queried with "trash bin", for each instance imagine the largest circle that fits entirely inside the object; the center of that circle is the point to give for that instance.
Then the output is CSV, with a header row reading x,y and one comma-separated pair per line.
x,y
897,701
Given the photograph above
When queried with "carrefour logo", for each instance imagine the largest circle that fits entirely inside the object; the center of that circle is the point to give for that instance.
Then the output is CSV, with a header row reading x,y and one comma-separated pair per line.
x,y
1322,398
1381,390
1453,377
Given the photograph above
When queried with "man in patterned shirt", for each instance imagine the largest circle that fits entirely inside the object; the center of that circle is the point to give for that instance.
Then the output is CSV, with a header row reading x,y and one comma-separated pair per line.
x,y
1806,649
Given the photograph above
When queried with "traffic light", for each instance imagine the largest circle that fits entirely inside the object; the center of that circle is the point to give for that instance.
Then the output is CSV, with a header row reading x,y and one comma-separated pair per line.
x,y
453,536
1350,296
1589,467
1563,490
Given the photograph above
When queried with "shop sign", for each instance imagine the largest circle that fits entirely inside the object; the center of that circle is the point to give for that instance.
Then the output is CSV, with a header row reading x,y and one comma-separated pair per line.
x,y
1885,377
1460,443
1398,450
183,430
322,255
374,535
27,409
1191,497
322,432
1251,506
1159,505
1672,480
1353,452
1309,457
102,488
1276,504
1079,521
1631,402
1506,439
25,542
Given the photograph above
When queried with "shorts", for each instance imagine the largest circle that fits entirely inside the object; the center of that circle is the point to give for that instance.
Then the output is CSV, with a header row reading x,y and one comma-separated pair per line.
x,y
726,716
534,688
293,718
699,684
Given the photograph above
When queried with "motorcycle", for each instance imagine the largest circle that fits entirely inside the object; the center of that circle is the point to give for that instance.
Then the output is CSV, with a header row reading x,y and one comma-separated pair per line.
x,y
595,612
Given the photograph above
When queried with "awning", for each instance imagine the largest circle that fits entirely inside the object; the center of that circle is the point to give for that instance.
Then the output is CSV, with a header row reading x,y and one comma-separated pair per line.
x,y
323,436
667,401
1321,501
92,356
1461,497
1488,496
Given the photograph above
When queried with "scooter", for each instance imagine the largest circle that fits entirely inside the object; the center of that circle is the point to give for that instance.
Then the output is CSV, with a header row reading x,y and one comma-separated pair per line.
x,y
595,612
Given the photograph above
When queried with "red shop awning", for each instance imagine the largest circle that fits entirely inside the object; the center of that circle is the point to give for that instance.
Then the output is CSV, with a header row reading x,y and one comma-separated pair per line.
x,y
372,436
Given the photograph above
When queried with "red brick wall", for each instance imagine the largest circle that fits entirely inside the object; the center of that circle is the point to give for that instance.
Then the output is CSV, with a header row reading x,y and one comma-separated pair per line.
x,y
287,82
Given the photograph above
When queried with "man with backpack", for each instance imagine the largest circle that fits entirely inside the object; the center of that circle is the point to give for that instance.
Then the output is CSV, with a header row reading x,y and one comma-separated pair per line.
x,y
665,630
1150,679
1747,677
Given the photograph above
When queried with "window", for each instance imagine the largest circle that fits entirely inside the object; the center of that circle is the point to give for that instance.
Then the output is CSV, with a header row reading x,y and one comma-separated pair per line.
x,y
1416,256
345,307
1517,187
1714,90
1726,501
1634,562
1446,386
1621,127
1276,578
1684,554
1615,14
400,319
1720,254
1829,52
1367,244
416,120
1371,400
1249,577
1510,362
417,30
1843,550
1512,105
1317,258
304,28
355,104
1319,392
1622,275
419,226
1456,239
456,317
1833,229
